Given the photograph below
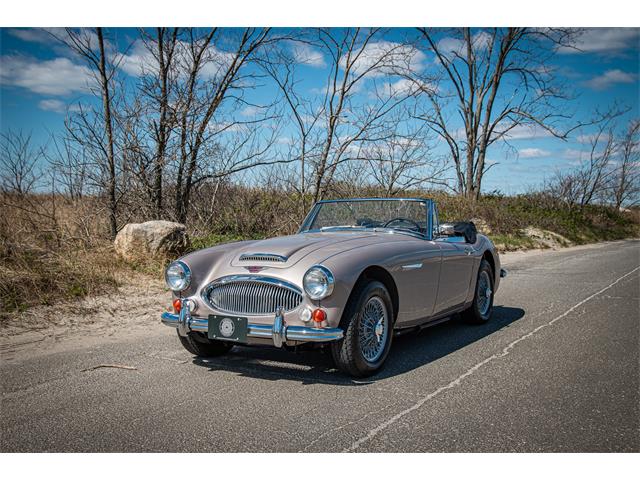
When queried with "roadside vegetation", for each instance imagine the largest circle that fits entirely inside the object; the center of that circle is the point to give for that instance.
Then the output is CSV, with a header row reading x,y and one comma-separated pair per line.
x,y
55,248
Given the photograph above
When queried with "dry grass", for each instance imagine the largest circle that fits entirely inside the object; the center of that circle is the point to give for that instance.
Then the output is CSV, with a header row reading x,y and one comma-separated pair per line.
x,y
53,248
31,276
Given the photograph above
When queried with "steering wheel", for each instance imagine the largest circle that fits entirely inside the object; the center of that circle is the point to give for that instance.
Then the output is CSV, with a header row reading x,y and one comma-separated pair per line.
x,y
402,219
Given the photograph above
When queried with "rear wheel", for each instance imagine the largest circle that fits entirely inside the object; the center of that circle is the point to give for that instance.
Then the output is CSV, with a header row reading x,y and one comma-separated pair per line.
x,y
482,306
368,330
198,344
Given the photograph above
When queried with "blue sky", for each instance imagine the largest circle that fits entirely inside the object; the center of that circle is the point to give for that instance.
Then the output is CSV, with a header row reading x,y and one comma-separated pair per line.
x,y
39,80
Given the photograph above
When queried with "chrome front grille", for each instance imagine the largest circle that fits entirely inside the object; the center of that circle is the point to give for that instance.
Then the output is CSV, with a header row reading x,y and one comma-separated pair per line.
x,y
251,295
262,257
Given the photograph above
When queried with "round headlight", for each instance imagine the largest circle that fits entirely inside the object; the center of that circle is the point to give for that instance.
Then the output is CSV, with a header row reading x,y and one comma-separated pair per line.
x,y
318,282
177,276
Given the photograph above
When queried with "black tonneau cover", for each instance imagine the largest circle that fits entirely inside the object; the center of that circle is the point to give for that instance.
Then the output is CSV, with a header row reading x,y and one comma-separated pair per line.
x,y
466,230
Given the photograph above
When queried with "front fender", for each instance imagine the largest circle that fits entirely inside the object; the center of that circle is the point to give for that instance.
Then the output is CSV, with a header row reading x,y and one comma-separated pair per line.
x,y
416,288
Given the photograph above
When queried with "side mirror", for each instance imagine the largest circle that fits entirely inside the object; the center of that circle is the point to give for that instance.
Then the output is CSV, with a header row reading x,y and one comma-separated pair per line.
x,y
446,230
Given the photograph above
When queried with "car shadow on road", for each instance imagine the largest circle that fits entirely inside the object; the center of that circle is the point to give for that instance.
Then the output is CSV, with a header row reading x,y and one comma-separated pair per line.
x,y
409,351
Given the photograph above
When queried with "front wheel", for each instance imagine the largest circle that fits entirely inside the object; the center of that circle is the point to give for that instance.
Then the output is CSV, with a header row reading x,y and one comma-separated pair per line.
x,y
198,344
480,310
368,326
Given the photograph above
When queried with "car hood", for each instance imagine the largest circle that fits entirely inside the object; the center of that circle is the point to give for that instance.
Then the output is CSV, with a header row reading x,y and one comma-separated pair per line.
x,y
300,251
289,250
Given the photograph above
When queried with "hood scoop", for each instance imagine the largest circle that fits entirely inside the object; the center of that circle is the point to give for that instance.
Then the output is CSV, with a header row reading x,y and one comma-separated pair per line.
x,y
262,257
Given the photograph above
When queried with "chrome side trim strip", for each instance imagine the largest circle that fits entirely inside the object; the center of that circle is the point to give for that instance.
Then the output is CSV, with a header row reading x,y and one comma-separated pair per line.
x,y
413,266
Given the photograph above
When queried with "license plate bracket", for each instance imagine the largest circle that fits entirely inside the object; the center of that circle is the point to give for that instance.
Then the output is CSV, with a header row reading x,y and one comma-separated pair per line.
x,y
228,328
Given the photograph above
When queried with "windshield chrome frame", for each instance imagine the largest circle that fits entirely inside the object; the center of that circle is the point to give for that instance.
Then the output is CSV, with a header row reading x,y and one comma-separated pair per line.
x,y
429,206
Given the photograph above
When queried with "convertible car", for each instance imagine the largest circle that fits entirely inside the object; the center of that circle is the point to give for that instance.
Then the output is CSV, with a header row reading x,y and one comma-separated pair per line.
x,y
357,271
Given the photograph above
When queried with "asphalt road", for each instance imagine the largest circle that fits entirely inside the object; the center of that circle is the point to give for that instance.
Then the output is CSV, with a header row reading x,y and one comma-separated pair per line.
x,y
556,369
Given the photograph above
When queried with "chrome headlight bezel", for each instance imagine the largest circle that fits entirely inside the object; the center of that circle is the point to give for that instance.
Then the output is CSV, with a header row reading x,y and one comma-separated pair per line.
x,y
318,282
177,276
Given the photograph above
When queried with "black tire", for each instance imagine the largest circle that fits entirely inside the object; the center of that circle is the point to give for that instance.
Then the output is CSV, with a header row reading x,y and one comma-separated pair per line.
x,y
476,314
201,346
347,353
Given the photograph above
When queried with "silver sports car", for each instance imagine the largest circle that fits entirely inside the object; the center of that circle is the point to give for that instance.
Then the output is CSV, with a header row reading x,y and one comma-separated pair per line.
x,y
357,271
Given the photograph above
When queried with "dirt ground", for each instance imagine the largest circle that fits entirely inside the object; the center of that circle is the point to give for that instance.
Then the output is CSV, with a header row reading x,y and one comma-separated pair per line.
x,y
132,310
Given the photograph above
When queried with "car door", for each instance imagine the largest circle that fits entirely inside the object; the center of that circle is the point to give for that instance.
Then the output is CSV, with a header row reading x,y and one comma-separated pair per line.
x,y
417,275
456,268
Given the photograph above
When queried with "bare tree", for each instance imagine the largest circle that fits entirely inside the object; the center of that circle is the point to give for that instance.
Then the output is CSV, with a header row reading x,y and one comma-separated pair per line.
x,y
625,178
281,67
69,164
592,175
596,177
200,106
90,46
332,127
404,159
157,85
492,81
19,162
564,187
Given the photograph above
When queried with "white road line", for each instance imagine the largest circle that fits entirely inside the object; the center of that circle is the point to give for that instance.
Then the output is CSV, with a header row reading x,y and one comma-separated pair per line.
x,y
505,351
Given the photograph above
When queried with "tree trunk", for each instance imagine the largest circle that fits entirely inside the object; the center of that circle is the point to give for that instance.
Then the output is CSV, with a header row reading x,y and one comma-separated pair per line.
x,y
161,143
106,104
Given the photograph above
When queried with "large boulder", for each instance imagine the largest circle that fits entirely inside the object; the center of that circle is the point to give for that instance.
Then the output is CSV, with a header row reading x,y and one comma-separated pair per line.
x,y
155,238
546,238
482,225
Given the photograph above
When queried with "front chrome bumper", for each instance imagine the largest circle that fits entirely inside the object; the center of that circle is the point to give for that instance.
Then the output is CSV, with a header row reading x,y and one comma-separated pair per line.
x,y
279,333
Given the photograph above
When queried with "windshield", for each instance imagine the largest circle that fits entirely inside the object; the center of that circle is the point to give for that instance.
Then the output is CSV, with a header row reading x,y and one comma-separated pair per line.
x,y
408,216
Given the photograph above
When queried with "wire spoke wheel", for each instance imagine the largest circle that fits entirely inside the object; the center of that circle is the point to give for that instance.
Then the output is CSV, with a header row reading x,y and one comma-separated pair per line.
x,y
484,293
373,329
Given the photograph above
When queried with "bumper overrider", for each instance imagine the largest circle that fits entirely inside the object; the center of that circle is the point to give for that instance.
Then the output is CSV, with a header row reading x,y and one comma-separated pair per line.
x,y
279,332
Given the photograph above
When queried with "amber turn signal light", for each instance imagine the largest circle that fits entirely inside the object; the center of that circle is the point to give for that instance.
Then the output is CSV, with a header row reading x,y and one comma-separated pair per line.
x,y
177,305
319,315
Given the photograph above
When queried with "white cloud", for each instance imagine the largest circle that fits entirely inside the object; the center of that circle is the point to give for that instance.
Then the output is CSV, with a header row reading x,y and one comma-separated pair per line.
x,y
58,106
251,111
604,40
479,41
54,38
519,132
586,138
59,76
307,55
525,132
573,154
383,58
610,77
140,61
533,153
35,35
404,86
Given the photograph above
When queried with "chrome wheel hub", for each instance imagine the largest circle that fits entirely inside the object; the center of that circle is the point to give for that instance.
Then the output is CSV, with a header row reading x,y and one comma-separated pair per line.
x,y
379,330
374,329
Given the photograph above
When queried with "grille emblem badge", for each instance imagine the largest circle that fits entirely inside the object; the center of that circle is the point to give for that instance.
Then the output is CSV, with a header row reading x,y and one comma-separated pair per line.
x,y
254,269
227,327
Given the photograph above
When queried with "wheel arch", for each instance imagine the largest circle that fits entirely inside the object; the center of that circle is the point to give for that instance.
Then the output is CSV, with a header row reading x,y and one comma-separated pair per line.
x,y
488,256
382,275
